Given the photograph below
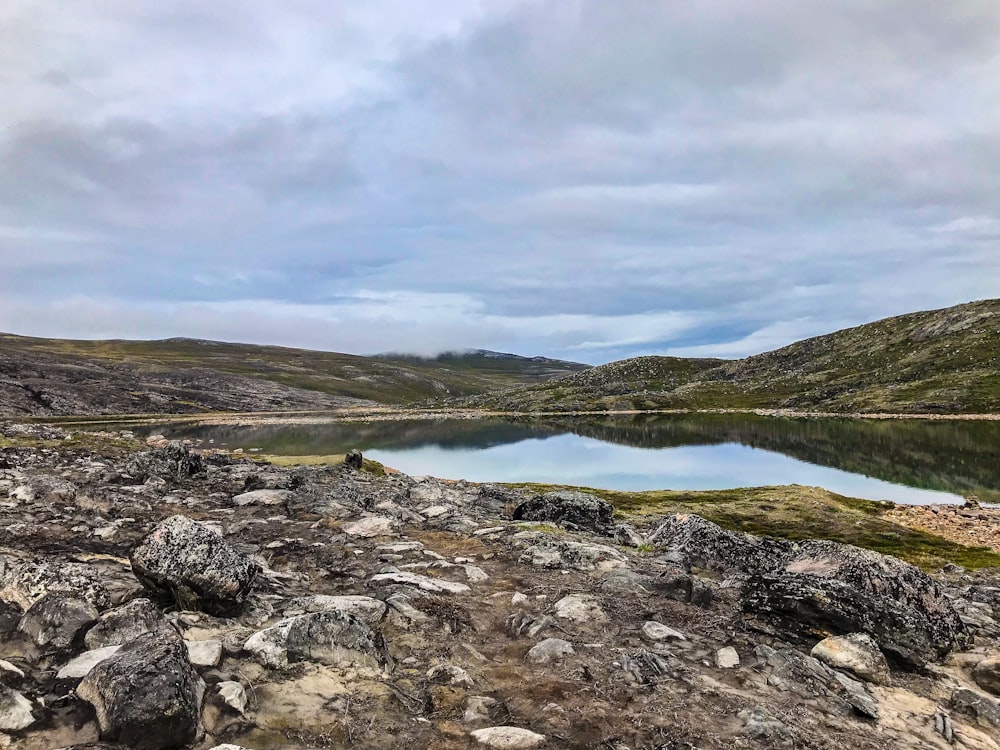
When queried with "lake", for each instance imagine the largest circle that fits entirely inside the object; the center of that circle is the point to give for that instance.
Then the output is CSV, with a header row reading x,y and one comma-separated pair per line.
x,y
906,461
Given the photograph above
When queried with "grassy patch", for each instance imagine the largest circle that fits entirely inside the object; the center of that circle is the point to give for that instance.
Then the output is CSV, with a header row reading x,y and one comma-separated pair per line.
x,y
797,513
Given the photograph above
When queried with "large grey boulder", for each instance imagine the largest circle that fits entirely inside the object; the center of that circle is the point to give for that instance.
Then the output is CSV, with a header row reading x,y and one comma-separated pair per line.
x,y
334,638
574,510
147,696
830,588
57,622
194,566
26,581
173,461
856,653
124,624
707,545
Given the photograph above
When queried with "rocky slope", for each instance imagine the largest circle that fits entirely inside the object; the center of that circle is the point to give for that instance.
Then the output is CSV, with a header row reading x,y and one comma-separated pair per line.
x,y
940,361
159,598
57,377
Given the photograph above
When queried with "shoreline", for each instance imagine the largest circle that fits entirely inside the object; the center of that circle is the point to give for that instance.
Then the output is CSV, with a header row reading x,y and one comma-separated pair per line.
x,y
389,414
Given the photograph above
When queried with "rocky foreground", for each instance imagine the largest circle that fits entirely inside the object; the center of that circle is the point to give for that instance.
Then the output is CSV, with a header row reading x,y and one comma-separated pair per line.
x,y
166,599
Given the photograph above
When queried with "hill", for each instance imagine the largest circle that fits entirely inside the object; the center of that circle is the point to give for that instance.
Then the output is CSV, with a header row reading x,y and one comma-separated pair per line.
x,y
939,361
58,377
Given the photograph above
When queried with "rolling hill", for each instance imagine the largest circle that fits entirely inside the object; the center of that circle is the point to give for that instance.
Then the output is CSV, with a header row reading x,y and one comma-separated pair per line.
x,y
939,361
63,377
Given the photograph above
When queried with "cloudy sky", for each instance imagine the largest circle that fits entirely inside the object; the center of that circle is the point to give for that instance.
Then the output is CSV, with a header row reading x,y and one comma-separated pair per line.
x,y
577,178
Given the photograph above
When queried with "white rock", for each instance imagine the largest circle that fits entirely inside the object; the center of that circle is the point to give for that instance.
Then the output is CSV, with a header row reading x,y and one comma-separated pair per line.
x,y
508,738
234,695
489,531
518,598
550,650
476,574
436,511
477,708
228,747
6,666
400,547
15,711
727,658
452,674
264,497
579,608
857,653
204,653
424,583
80,667
363,607
370,527
657,631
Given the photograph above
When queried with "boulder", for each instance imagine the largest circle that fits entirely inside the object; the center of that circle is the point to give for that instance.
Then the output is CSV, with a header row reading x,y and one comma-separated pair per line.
x,y
550,650
353,459
263,497
26,581
194,566
984,709
364,607
987,674
708,545
727,658
550,552
857,653
126,623
44,488
147,696
57,621
573,510
10,616
15,711
508,738
371,527
580,608
173,461
424,583
334,638
207,653
829,588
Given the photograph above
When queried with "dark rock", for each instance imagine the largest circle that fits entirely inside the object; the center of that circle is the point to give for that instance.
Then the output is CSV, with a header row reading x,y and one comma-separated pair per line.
x,y
707,545
194,566
828,588
147,696
126,623
173,461
57,621
353,459
335,638
984,709
987,674
10,616
573,510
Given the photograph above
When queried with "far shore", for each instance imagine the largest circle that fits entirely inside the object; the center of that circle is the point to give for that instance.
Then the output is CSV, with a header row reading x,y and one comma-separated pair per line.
x,y
384,414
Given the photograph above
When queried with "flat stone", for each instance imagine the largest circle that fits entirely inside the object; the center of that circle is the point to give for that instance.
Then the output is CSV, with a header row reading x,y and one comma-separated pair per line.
x,y
580,608
364,607
264,497
206,653
656,631
437,511
550,650
508,738
856,653
424,583
373,526
727,658
80,667
233,695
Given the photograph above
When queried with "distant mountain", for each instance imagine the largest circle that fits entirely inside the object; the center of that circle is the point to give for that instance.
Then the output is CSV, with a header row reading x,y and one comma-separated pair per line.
x,y
61,377
940,361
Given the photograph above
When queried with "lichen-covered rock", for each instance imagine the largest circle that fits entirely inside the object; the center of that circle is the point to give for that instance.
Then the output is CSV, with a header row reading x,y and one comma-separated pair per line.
x,y
825,587
173,461
545,551
26,581
550,650
44,488
574,510
857,653
57,621
194,566
126,623
147,696
364,607
708,545
333,638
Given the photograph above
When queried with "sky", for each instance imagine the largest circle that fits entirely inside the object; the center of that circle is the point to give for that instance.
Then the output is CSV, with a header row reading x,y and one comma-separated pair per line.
x,y
581,179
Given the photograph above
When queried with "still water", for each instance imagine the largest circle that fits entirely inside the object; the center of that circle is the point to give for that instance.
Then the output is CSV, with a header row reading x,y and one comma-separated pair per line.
x,y
907,461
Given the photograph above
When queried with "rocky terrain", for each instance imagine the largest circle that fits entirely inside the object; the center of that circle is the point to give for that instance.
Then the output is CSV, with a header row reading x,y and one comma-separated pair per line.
x,y
154,597
939,361
51,377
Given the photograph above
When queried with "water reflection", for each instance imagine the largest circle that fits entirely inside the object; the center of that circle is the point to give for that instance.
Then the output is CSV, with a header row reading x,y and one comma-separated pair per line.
x,y
902,460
